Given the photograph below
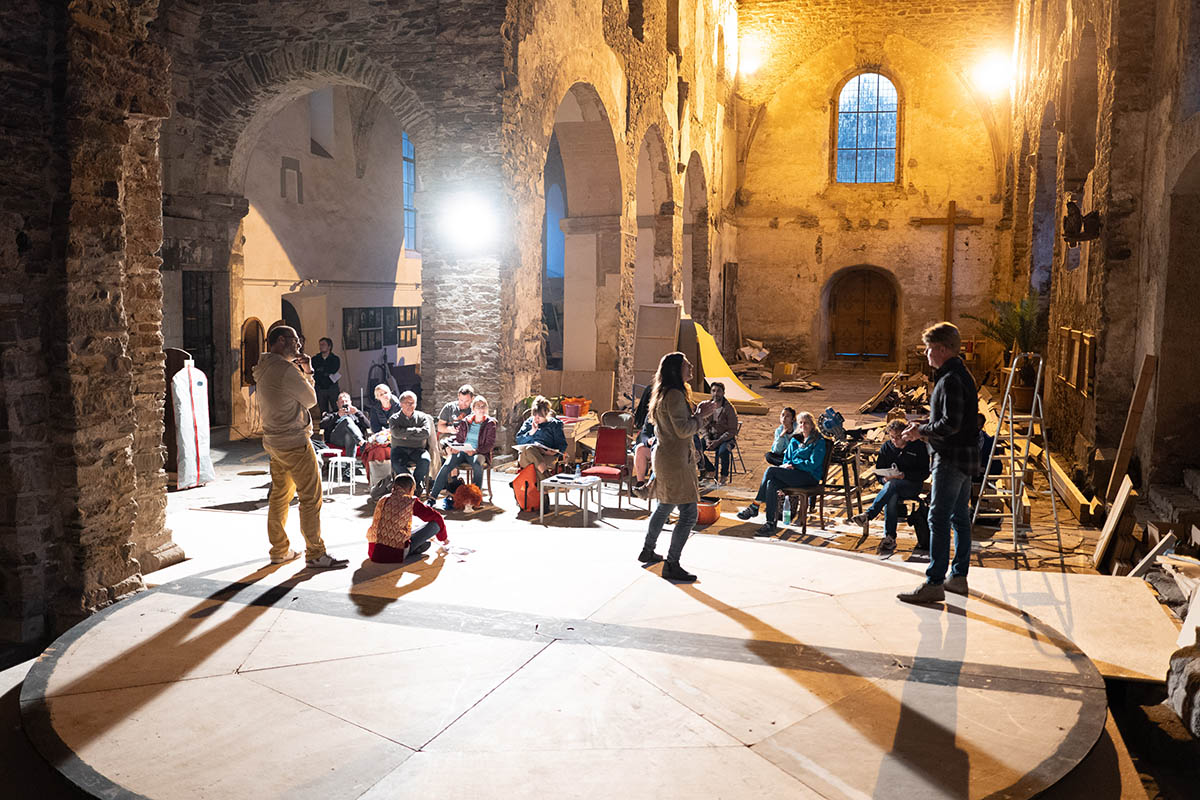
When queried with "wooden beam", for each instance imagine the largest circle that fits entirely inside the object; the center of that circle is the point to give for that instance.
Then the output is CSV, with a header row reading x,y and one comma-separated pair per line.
x,y
1079,505
1133,421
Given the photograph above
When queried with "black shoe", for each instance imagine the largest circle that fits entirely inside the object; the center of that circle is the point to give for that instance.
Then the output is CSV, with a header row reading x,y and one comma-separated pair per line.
x,y
888,544
419,549
749,512
648,556
767,529
673,572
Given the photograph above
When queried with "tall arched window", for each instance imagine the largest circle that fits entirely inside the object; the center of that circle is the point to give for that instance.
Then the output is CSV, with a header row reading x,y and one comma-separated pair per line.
x,y
867,130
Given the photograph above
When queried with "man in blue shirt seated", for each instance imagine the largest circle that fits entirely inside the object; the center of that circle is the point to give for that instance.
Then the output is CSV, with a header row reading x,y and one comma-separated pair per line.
x,y
912,460
545,436
802,466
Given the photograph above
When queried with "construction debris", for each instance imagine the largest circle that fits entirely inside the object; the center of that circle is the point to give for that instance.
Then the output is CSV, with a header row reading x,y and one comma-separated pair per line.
x,y
798,386
753,351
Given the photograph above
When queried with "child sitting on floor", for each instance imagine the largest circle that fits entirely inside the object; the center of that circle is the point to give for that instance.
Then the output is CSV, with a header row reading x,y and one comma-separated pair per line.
x,y
391,539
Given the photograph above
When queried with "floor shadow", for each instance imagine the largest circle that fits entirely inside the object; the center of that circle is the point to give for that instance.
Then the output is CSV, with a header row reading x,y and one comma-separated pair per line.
x,y
370,605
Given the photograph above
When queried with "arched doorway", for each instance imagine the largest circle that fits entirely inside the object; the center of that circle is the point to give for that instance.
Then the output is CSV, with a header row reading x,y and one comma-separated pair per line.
x,y
253,343
654,268
862,316
696,279
591,231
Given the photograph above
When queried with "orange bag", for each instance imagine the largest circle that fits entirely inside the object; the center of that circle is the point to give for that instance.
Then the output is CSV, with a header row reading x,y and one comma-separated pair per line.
x,y
525,487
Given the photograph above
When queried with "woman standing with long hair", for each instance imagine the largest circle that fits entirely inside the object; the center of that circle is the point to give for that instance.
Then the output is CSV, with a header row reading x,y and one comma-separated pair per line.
x,y
676,422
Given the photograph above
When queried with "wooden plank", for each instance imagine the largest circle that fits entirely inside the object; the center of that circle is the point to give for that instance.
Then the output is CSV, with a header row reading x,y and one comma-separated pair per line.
x,y
1113,523
1143,566
875,400
1133,421
1079,505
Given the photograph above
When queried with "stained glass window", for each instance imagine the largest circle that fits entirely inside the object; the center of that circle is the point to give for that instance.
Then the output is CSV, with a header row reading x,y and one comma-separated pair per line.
x,y
866,130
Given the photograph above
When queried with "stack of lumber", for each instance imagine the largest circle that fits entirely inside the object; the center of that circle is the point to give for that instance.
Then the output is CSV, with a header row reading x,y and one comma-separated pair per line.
x,y
1184,570
800,385
899,389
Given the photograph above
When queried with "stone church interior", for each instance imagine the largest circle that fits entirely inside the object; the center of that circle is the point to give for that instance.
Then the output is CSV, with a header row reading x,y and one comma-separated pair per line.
x,y
545,197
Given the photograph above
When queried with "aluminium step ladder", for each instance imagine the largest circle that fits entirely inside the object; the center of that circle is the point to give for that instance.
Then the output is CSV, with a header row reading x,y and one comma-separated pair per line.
x,y
1017,432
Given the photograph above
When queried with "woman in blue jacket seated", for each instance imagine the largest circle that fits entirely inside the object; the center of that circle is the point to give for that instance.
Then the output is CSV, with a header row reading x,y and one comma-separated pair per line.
x,y
912,461
802,463
545,433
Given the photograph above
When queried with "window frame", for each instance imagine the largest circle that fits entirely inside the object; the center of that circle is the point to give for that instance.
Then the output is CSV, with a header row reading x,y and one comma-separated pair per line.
x,y
408,156
834,106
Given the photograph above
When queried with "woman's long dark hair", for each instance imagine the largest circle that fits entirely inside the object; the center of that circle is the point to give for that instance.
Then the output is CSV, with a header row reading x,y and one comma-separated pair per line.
x,y
668,377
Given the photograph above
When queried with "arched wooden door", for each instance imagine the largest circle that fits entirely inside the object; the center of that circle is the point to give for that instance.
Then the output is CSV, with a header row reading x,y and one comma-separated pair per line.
x,y
862,316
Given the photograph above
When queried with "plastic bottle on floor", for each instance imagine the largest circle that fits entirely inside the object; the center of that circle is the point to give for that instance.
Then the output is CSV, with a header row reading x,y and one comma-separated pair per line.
x,y
787,510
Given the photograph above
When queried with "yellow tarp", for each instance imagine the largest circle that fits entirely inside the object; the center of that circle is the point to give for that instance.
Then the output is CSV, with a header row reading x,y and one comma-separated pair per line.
x,y
716,370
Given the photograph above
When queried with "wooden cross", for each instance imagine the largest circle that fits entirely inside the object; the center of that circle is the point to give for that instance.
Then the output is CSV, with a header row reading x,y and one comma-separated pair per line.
x,y
951,221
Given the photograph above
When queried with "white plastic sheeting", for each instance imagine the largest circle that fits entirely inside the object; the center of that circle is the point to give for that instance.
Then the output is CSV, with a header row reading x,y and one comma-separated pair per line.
x,y
190,388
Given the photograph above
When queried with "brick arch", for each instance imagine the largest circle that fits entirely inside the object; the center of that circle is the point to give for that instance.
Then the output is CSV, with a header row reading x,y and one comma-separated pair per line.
x,y
236,107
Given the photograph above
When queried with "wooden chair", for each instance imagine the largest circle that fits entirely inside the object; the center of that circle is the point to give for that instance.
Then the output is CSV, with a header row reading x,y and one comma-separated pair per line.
x,y
617,419
807,493
611,460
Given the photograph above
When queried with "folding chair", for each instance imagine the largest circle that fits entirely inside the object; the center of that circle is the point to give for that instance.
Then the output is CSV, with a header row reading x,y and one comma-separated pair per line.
x,y
737,451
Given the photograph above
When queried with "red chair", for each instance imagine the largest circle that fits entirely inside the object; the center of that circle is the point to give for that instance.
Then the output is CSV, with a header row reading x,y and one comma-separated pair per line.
x,y
611,460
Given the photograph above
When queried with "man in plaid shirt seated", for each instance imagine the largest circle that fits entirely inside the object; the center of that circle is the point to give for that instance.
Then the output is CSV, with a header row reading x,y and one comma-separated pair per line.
x,y
953,433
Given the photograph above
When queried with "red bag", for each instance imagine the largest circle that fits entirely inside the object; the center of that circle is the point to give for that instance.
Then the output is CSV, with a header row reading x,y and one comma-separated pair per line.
x,y
525,487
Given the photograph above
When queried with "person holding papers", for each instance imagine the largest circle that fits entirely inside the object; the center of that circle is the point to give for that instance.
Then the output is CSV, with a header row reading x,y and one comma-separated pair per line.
x,y
903,467
541,439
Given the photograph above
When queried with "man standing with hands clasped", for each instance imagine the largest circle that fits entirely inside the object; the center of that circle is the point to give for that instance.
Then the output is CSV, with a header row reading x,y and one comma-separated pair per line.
x,y
953,433
285,394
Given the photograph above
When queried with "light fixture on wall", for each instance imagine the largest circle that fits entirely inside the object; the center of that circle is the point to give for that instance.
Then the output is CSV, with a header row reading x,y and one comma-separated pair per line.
x,y
993,75
300,284
1079,227
469,222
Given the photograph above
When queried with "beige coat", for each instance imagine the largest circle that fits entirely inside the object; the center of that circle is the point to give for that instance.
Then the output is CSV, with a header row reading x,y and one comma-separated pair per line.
x,y
675,454
284,397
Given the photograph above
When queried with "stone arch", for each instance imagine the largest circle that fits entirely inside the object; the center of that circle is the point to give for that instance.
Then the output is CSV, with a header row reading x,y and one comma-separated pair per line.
x,y
1082,104
1176,437
654,267
696,283
592,230
871,295
254,340
234,110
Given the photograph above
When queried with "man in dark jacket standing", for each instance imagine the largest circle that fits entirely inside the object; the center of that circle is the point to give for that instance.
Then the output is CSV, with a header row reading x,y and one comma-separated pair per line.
x,y
327,369
953,433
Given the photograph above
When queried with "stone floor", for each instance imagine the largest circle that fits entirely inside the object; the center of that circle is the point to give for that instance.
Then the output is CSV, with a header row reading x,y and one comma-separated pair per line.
x,y
542,660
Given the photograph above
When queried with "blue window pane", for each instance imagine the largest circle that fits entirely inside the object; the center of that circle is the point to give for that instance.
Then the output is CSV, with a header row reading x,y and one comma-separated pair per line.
x,y
866,130
866,166
845,166
887,95
847,131
407,144
849,98
868,98
885,166
886,136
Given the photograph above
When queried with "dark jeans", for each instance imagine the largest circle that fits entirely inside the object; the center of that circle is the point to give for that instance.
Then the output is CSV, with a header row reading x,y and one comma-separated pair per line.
x,y
327,398
418,457
949,504
776,478
775,459
724,456
346,435
683,527
456,460
888,501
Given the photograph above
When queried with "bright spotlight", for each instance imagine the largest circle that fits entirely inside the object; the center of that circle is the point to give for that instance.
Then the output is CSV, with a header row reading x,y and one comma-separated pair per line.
x,y
993,75
750,55
469,222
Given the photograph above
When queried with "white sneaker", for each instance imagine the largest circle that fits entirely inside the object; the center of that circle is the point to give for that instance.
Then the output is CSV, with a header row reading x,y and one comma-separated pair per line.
x,y
327,561
290,555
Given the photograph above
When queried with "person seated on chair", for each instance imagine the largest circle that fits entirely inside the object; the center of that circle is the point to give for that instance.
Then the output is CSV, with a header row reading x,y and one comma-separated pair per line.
x,y
783,435
718,433
412,437
801,468
391,539
912,459
643,452
472,445
545,435
454,412
381,411
345,427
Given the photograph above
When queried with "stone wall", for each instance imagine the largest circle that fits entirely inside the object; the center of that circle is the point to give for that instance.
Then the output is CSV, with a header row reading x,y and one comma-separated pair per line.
x,y
800,229
82,383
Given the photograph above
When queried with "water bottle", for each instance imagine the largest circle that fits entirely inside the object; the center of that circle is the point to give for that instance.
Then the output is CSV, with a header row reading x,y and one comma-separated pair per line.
x,y
578,470
787,510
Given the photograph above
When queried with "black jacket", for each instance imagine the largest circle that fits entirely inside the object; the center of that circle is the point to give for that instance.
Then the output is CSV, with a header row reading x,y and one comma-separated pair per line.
x,y
912,460
953,427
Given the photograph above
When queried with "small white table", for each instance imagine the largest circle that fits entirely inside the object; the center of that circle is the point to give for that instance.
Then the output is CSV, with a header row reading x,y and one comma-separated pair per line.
x,y
557,484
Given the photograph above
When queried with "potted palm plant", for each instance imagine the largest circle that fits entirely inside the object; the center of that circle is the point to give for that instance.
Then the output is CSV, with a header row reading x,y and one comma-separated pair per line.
x,y
1020,324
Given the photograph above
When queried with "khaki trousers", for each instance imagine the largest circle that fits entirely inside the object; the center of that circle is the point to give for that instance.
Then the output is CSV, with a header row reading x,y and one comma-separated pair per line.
x,y
543,461
295,472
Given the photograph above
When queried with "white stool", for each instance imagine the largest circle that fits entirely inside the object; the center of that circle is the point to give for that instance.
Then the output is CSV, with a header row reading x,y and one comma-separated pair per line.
x,y
337,470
